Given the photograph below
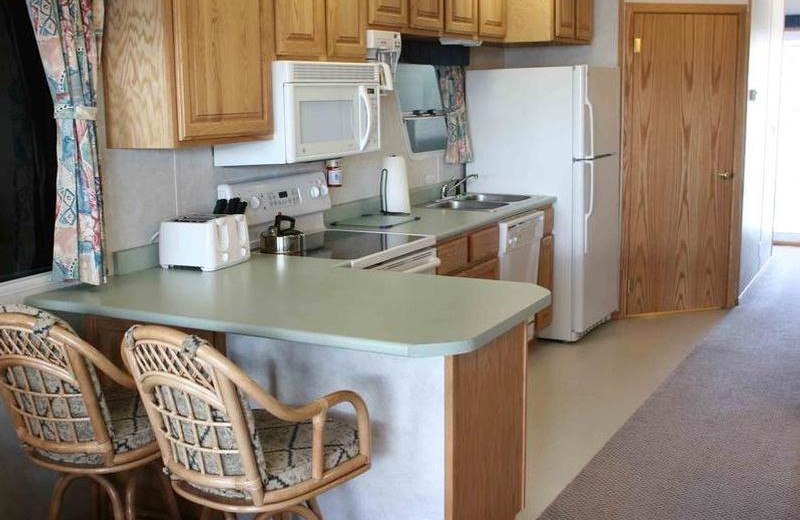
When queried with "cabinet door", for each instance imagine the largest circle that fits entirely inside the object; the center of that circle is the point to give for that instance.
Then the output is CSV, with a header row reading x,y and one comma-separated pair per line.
x,y
565,19
393,13
493,16
223,50
584,19
461,16
300,28
347,28
427,14
489,270
545,279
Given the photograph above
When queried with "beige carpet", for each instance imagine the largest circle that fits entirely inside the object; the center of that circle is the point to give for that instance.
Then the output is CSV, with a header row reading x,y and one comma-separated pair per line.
x,y
720,439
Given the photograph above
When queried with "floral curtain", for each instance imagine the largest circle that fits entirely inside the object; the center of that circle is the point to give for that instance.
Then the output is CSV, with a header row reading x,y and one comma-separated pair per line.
x,y
451,86
69,36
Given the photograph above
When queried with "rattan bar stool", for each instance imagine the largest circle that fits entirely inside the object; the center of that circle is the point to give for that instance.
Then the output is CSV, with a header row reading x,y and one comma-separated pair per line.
x,y
224,455
65,420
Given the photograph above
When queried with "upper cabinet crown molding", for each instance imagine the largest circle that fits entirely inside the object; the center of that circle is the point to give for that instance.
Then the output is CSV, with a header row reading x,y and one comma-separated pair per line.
x,y
166,86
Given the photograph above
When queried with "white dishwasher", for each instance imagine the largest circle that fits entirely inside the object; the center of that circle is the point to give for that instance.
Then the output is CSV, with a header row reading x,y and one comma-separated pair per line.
x,y
520,238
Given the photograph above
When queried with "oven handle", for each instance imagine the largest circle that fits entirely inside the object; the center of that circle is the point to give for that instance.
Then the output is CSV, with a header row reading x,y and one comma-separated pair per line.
x,y
364,97
431,264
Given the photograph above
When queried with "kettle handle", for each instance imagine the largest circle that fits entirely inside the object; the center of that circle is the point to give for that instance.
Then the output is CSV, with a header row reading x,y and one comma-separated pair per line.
x,y
279,218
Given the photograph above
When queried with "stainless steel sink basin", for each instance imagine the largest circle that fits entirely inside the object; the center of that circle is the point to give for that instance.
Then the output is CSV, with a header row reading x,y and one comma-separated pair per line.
x,y
492,197
467,205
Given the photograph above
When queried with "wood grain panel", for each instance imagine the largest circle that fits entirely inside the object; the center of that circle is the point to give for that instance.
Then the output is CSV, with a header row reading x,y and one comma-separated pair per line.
x,y
485,430
493,16
347,29
454,255
584,20
392,13
223,54
489,270
549,220
484,244
426,14
544,278
300,27
530,21
680,128
565,19
461,16
138,75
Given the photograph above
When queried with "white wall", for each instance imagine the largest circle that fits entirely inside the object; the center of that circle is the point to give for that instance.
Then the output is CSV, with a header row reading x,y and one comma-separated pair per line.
x,y
787,209
144,187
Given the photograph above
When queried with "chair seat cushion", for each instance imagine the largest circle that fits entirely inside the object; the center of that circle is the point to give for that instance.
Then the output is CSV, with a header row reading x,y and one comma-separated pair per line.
x,y
286,451
130,428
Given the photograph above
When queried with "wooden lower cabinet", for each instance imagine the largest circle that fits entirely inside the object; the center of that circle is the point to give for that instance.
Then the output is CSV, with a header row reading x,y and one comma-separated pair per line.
x,y
544,276
489,270
106,334
472,254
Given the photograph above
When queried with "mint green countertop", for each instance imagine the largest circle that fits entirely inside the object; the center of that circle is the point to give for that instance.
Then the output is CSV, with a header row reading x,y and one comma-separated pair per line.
x,y
447,222
313,301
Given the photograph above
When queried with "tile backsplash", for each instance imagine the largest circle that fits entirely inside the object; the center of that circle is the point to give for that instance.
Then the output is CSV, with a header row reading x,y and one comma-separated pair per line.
x,y
144,187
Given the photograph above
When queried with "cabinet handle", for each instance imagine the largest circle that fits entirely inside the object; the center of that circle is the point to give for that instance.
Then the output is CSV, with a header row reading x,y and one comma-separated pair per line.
x,y
725,176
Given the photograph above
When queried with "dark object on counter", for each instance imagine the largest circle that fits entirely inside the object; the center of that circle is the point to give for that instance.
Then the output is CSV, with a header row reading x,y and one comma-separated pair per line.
x,y
221,207
283,240
233,206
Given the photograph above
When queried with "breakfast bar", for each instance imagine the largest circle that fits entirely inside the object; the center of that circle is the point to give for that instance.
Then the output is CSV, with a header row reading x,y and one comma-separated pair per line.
x,y
440,361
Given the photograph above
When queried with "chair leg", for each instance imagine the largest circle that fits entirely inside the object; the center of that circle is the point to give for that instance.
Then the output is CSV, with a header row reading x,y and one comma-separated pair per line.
x,y
227,515
117,507
304,512
129,485
169,494
57,497
313,505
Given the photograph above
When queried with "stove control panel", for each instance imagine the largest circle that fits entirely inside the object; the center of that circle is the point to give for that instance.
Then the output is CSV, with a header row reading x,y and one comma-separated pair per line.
x,y
293,195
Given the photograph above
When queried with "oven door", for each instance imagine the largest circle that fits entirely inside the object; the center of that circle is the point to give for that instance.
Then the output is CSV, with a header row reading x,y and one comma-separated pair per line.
x,y
419,262
325,121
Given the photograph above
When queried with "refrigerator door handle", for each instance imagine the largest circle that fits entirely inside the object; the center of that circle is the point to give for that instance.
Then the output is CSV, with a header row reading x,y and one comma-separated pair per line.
x,y
588,213
590,123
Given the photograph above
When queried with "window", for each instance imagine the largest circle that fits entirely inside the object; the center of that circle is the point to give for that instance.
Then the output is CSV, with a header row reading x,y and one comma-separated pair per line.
x,y
421,107
27,150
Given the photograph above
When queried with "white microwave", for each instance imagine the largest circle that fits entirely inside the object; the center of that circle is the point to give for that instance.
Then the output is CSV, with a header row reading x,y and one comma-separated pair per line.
x,y
321,110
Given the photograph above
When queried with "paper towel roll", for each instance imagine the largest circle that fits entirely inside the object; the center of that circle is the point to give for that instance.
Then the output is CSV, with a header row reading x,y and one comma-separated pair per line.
x,y
394,185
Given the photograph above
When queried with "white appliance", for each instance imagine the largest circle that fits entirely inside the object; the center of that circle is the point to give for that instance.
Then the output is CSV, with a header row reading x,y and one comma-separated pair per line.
x,y
395,198
208,242
555,130
305,195
322,110
520,238
384,47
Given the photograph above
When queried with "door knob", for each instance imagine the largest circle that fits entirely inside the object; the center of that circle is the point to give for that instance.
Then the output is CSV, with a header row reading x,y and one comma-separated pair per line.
x,y
724,175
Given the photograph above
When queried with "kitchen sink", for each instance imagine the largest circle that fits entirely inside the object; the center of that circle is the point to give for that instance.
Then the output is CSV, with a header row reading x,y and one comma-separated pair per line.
x,y
492,197
467,205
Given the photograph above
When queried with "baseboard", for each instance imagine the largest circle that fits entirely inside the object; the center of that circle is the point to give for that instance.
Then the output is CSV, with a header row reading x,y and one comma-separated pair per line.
x,y
755,278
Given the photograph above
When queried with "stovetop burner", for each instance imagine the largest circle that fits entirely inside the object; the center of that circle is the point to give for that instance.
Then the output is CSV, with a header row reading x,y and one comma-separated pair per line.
x,y
351,245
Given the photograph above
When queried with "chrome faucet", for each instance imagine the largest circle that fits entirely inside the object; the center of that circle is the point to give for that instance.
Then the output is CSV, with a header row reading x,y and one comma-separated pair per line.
x,y
457,186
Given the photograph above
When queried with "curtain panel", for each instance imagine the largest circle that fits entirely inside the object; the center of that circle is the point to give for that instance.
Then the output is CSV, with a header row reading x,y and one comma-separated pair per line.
x,y
452,87
69,36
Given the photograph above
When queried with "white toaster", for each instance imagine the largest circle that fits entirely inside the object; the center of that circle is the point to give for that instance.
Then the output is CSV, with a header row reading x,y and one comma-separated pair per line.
x,y
209,242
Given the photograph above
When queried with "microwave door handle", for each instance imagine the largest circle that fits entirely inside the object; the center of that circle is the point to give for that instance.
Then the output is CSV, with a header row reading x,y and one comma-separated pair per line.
x,y
364,97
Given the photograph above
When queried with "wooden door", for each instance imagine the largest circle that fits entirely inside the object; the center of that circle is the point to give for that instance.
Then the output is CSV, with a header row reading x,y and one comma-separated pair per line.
x,y
223,52
584,20
565,19
300,28
683,104
493,21
392,13
347,29
427,14
461,16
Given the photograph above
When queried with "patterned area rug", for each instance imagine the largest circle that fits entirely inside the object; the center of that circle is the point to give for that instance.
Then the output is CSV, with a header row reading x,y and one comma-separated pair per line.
x,y
720,439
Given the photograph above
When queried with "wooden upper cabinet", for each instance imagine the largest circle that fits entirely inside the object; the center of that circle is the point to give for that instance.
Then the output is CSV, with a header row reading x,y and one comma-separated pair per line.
x,y
565,19
347,28
584,20
184,72
426,14
390,13
493,16
300,28
461,16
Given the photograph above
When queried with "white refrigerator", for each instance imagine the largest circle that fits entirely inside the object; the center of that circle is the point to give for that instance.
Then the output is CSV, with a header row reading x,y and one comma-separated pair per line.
x,y
555,131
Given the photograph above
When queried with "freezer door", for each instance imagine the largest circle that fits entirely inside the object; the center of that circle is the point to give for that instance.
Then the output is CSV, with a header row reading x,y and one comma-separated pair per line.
x,y
597,111
596,242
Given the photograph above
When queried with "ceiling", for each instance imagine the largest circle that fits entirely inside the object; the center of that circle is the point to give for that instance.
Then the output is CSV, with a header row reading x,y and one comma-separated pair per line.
x,y
792,6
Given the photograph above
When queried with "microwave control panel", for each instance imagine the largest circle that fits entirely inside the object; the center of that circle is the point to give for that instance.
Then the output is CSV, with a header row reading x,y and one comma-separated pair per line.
x,y
294,195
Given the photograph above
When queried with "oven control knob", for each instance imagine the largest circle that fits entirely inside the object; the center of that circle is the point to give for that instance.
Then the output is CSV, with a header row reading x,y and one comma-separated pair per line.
x,y
255,202
323,190
314,192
